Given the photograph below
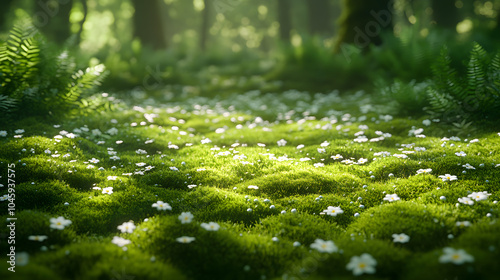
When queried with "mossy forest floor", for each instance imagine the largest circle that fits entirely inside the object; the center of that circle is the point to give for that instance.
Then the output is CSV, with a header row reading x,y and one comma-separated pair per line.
x,y
269,170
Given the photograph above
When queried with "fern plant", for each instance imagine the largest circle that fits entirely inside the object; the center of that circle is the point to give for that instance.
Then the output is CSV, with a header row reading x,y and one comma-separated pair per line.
x,y
36,80
470,97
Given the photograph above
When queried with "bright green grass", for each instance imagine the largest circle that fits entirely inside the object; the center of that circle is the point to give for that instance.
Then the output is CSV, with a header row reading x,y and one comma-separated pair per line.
x,y
156,160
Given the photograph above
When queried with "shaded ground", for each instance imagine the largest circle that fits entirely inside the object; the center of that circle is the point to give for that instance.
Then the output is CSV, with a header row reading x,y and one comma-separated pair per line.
x,y
265,168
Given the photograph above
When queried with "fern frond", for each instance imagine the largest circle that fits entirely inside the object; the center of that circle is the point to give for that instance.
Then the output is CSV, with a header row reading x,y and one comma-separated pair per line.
x,y
439,102
476,72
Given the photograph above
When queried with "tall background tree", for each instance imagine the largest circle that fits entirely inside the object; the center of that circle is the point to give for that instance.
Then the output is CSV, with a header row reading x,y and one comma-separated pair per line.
x,y
52,18
4,10
205,24
284,19
148,23
362,22
445,13
319,17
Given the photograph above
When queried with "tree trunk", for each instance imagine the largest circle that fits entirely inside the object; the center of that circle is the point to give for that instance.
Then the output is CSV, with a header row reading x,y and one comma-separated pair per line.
x,y
85,12
148,23
4,10
319,12
445,14
205,25
284,19
362,22
52,18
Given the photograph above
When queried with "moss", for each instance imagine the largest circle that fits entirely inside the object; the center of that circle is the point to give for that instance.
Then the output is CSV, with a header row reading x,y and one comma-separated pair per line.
x,y
260,254
102,213
210,204
303,227
36,223
30,272
92,260
302,182
427,225
44,195
43,169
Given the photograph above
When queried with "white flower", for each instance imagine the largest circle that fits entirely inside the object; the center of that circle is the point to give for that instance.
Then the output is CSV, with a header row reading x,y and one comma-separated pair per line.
x,y
253,187
333,211
466,200
210,226
22,258
205,141
468,166
463,224
160,205
321,150
19,131
324,246
424,171
281,143
186,217
319,164
391,197
337,156
3,133
185,239
111,178
400,155
112,131
426,122
447,177
300,146
127,227
362,264
40,238
96,132
325,144
401,238
478,196
455,256
59,223
120,241
94,160
461,154
108,190
362,160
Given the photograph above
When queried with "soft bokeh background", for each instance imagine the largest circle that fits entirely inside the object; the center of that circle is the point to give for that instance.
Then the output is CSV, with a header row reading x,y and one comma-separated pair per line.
x,y
302,43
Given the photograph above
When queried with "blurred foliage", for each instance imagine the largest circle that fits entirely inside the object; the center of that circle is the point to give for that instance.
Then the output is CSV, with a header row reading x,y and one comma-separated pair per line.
x,y
38,80
473,96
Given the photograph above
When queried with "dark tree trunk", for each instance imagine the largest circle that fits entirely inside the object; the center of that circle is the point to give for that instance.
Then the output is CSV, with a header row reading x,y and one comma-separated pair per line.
x,y
284,19
148,23
4,10
362,22
445,14
205,24
52,19
319,12
85,12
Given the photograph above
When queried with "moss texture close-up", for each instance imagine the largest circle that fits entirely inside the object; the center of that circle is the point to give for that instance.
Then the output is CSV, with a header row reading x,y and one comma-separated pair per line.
x,y
252,140
268,195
